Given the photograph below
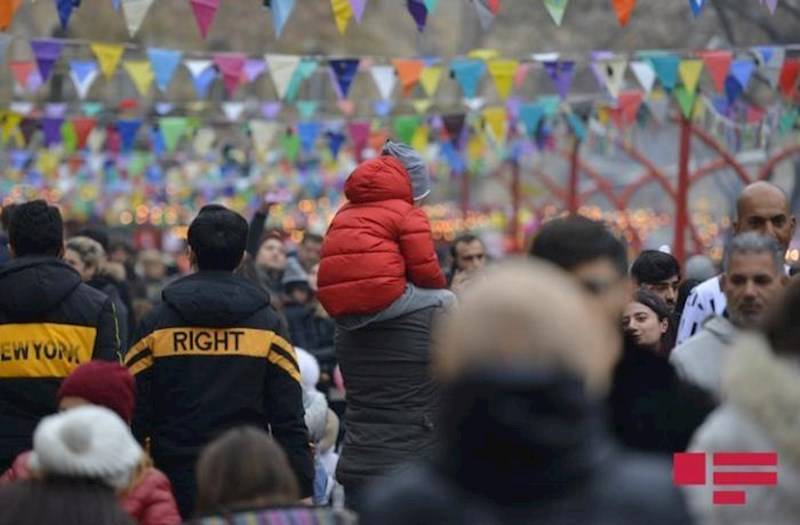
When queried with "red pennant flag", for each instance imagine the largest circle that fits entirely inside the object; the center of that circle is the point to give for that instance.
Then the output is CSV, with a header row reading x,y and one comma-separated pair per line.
x,y
22,71
624,9
83,126
789,75
231,65
494,6
628,104
718,64
204,13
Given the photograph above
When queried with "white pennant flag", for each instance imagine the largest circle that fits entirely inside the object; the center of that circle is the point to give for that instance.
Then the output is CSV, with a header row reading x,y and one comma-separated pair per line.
x,y
613,72
135,11
23,108
204,141
644,74
196,67
263,132
385,78
282,68
233,110
475,104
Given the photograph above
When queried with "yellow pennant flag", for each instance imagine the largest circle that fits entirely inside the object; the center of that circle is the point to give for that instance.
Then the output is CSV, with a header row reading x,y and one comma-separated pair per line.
x,y
141,73
108,55
11,122
430,79
420,139
475,147
496,118
689,71
503,72
422,105
483,54
342,13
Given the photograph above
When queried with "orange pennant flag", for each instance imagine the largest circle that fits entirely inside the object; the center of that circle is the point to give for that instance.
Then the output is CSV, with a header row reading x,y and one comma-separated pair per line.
x,y
624,9
409,72
7,10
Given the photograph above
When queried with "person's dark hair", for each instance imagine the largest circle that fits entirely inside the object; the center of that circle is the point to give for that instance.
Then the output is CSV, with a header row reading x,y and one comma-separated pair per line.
x,y
63,501
5,215
464,238
653,267
218,237
684,290
782,326
97,233
36,228
311,237
575,240
653,302
242,468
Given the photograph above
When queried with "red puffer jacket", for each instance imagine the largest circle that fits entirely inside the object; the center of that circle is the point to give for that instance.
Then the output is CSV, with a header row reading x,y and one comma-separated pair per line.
x,y
377,243
149,501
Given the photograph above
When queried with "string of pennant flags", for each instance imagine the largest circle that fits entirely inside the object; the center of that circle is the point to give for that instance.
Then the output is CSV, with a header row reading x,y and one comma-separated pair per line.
x,y
343,11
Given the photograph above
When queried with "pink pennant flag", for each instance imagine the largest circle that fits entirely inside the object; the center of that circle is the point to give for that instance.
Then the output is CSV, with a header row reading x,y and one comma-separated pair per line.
x,y
231,65
358,7
204,13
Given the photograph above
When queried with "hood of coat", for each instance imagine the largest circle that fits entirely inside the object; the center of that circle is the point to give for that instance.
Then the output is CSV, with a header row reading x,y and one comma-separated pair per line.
x,y
379,179
214,299
767,387
721,328
32,286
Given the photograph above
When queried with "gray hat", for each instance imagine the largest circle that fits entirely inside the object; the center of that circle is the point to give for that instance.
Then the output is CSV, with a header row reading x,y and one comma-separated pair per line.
x,y
415,166
294,273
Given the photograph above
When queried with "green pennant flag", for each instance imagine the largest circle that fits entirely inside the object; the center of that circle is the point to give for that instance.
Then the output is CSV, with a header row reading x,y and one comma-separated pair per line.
x,y
69,139
405,126
291,146
172,129
788,121
138,163
685,100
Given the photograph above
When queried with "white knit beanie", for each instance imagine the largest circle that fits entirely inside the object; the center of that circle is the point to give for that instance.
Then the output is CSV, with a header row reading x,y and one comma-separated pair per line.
x,y
86,442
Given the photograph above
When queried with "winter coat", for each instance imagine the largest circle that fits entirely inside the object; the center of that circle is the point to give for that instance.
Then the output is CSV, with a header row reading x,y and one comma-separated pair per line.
x,y
392,400
308,329
700,359
527,446
651,408
149,501
762,403
111,288
50,322
208,358
377,243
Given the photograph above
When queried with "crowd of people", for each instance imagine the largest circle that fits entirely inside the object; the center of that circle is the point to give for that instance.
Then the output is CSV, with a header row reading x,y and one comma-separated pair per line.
x,y
362,376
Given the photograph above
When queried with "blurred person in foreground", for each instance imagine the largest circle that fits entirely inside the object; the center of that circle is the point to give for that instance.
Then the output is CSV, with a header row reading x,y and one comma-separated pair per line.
x,y
522,430
211,357
763,208
50,322
5,220
761,388
753,281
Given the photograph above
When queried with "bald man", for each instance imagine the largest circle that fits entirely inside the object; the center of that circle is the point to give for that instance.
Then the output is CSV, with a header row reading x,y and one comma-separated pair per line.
x,y
762,207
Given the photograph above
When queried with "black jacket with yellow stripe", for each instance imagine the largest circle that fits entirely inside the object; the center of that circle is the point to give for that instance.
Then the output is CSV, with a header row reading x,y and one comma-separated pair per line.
x,y
209,358
50,322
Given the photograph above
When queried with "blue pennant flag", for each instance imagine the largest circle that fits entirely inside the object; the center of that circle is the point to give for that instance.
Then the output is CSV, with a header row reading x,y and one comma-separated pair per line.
x,y
164,63
382,107
742,70
281,9
127,132
64,8
531,115
308,133
335,142
697,6
666,68
345,71
468,73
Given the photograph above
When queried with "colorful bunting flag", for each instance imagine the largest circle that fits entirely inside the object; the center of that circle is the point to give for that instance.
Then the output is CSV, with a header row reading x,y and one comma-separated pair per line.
x,y
556,8
628,104
561,74
304,70
164,63
358,7
773,66
342,13
496,119
503,72
612,72
308,132
382,108
231,65
347,107
385,78
204,13
454,125
271,110
789,75
83,74
51,127
202,75
689,71
10,122
83,126
64,8
430,78
55,109
405,126
531,114
92,109
127,130
141,73
409,71
419,12
291,146
233,110
685,100
359,132
486,10
135,12
431,5
47,53
164,108
697,6
468,73
172,130
335,142
742,70
281,11
307,108
7,10
282,68
25,74
254,68
108,56
666,68
718,64
624,9
771,5
344,71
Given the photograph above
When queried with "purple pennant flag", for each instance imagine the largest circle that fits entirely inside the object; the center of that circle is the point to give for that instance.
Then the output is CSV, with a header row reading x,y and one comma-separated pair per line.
x,y
47,53
51,126
597,68
358,9
270,110
419,12
55,109
20,158
253,68
561,74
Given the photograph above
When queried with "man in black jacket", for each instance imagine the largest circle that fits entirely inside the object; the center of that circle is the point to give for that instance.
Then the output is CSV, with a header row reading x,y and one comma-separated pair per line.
x,y
50,323
210,357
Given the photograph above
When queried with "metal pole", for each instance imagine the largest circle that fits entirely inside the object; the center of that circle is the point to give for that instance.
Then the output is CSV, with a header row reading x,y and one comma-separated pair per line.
x,y
682,196
572,197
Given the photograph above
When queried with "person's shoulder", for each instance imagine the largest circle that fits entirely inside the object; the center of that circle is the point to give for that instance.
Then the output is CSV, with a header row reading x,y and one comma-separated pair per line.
x,y
416,495
88,296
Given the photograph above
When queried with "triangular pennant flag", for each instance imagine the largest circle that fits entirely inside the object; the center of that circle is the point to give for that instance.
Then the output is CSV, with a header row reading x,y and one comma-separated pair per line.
x,y
5,42
666,68
628,104
419,12
359,135
742,70
7,10
291,146
561,74
475,104
51,126
304,70
496,119
141,73
335,142
385,79
556,8
25,74
645,75
422,106
127,130
718,63
83,126
204,13
503,72
405,126
172,129
689,71
772,68
789,75
697,6
233,110
164,108
344,70
342,13
64,8
10,122
281,11
135,11
685,100
92,109
624,9
204,141
307,108
613,74
733,89
83,74
771,5
409,72
55,109
577,126
788,121
253,68
430,78
271,110
263,133
382,107
420,139
164,63
282,68
116,4
23,108
431,5
308,133
531,115
231,66
487,10
47,53
468,73
454,125
202,75
108,56
358,7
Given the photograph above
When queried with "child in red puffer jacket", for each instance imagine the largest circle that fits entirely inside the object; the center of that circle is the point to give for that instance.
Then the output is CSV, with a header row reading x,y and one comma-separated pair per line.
x,y
148,499
378,261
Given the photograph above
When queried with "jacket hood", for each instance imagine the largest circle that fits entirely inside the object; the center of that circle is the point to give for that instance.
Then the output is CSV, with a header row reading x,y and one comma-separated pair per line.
x,y
767,387
379,179
214,299
512,434
35,285
721,328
